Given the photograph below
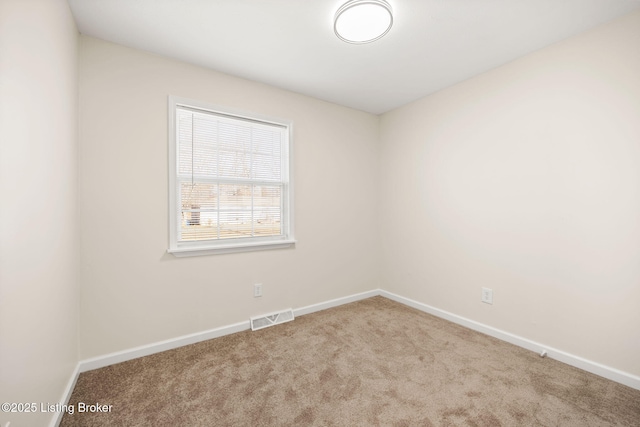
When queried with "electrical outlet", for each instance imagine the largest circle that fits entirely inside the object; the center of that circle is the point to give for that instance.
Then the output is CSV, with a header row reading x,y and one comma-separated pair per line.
x,y
257,290
487,295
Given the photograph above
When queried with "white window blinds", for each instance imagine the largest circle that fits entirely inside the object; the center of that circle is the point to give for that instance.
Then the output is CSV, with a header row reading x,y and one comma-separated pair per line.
x,y
231,179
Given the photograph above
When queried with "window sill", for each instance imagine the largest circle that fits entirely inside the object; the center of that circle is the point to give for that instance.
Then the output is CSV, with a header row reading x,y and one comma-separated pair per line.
x,y
229,249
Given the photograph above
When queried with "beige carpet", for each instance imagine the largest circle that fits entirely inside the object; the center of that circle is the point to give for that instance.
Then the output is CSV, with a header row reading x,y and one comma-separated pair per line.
x,y
369,363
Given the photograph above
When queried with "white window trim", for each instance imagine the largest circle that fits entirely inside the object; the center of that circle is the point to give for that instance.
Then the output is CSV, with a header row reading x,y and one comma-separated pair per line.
x,y
187,249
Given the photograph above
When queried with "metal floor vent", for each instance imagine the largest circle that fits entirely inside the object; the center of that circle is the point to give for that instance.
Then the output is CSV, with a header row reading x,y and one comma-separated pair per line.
x,y
271,319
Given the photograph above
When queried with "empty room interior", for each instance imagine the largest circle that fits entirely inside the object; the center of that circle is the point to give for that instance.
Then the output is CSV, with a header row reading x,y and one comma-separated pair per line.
x,y
436,225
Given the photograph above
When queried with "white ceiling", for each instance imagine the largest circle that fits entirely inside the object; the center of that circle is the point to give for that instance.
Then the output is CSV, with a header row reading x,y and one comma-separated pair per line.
x,y
290,43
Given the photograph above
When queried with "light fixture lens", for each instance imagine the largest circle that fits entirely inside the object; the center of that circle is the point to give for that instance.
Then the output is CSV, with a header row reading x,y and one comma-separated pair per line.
x,y
363,21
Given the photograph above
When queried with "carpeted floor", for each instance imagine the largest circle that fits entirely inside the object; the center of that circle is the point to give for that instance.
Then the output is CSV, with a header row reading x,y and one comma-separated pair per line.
x,y
370,363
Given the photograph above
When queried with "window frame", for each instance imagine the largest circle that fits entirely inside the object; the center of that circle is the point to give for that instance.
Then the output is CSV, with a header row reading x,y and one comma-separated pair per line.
x,y
223,246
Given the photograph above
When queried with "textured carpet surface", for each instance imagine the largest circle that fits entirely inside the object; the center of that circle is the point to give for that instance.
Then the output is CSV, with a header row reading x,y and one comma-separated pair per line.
x,y
370,363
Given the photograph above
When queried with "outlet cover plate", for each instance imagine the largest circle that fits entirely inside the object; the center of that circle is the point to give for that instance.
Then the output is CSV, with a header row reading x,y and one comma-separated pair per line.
x,y
487,295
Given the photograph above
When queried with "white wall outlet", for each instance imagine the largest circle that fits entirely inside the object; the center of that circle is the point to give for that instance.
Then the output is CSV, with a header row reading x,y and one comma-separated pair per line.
x,y
487,295
257,290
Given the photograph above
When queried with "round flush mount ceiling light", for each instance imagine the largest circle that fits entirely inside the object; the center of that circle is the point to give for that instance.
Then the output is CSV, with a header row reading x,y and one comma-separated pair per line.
x,y
363,21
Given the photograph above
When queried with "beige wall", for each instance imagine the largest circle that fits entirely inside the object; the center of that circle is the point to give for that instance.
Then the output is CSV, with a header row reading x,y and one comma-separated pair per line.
x,y
134,293
39,294
526,180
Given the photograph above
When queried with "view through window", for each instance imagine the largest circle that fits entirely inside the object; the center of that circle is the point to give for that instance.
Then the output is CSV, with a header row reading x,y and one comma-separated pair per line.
x,y
231,180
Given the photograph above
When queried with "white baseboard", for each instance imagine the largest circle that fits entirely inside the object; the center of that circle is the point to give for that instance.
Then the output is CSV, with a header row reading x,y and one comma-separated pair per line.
x,y
170,344
66,395
335,302
612,374
134,353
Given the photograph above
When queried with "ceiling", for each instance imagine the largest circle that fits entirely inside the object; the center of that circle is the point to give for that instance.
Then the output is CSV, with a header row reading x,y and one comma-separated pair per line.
x,y
290,43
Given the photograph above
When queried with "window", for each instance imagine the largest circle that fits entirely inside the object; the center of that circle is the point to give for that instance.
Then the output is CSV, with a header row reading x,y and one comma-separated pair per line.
x,y
229,180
